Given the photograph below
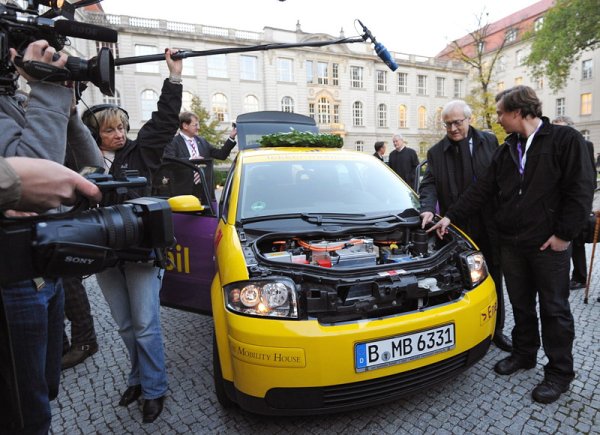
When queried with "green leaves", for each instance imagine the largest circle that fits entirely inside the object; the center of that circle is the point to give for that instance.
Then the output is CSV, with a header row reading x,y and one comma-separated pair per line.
x,y
301,139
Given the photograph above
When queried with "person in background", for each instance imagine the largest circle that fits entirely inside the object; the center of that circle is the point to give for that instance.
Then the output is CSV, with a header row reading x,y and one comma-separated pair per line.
x,y
541,180
453,164
579,274
403,160
379,150
132,287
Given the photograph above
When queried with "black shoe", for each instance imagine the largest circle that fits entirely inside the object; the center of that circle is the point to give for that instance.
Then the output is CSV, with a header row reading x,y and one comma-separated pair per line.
x,y
77,354
130,395
502,342
508,366
548,391
576,285
152,409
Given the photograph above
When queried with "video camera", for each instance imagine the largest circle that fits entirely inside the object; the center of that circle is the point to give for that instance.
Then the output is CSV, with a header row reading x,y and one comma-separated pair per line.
x,y
19,27
83,242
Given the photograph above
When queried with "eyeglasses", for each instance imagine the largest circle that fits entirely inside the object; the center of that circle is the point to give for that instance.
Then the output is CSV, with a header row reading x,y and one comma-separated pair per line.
x,y
455,123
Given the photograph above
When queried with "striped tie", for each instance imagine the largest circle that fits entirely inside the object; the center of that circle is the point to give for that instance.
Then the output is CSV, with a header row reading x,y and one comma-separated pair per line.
x,y
194,155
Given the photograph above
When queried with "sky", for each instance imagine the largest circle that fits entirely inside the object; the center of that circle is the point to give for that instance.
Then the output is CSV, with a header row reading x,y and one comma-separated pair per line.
x,y
422,27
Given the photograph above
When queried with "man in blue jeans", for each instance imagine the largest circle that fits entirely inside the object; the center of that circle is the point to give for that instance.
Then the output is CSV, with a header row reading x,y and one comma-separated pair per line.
x,y
541,180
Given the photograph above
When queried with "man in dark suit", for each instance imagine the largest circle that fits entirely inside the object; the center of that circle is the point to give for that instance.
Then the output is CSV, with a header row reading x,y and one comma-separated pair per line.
x,y
404,160
453,164
188,145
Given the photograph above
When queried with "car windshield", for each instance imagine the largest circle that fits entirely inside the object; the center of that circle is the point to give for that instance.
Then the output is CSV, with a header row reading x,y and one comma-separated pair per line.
x,y
353,186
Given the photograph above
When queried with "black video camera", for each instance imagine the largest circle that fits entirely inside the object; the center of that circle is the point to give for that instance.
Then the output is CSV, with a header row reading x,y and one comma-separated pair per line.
x,y
19,27
83,242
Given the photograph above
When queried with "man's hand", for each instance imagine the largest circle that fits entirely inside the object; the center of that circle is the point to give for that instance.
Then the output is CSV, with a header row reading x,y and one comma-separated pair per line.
x,y
233,133
39,51
441,228
426,217
555,244
175,66
46,184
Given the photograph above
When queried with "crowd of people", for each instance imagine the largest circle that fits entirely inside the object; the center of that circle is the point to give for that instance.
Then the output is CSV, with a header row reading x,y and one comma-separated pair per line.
x,y
523,203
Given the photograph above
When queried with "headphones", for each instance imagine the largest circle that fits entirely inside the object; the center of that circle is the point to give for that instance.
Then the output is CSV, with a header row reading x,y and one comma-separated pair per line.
x,y
91,122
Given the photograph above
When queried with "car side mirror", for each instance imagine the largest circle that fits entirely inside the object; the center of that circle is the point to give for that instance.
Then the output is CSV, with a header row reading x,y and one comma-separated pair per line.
x,y
185,204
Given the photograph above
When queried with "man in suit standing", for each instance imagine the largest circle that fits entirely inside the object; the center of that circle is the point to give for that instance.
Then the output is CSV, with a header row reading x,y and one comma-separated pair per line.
x,y
188,145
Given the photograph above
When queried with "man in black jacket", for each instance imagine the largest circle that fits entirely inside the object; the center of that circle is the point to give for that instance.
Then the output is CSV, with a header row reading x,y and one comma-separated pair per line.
x,y
403,160
453,164
541,179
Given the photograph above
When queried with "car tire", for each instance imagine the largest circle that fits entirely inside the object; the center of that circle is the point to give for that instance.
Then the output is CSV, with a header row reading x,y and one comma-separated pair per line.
x,y
219,382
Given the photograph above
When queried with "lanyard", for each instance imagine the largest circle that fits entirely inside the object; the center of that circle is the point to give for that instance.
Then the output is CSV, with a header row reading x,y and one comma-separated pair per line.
x,y
523,154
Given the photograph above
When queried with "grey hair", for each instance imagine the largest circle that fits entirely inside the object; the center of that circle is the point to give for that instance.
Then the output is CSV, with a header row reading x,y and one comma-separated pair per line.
x,y
457,104
566,119
399,136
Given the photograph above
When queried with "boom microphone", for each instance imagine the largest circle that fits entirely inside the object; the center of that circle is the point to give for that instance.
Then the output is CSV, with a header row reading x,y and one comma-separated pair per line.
x,y
381,51
85,31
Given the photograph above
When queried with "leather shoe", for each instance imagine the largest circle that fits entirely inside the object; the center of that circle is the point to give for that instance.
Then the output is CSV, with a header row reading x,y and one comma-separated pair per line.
x,y
509,365
576,285
77,354
502,342
548,391
152,409
130,395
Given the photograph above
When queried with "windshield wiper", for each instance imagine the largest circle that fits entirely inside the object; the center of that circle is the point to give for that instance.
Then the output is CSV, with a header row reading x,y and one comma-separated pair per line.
x,y
351,218
271,217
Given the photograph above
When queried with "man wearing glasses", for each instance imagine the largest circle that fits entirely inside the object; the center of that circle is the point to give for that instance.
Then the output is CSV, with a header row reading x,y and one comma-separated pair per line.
x,y
453,164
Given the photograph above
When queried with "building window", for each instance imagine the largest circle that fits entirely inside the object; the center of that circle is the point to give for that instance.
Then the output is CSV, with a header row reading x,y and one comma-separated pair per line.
x,y
518,81
310,76
382,115
357,114
537,24
500,86
186,101
217,66
287,104
147,67
311,110
382,80
539,83
116,100
501,64
481,46
586,104
585,134
251,103
423,147
336,113
421,85
422,117
359,145
440,83
438,118
335,74
219,107
560,107
402,116
586,69
520,57
322,74
458,88
286,69
149,100
403,83
248,67
511,35
323,111
356,76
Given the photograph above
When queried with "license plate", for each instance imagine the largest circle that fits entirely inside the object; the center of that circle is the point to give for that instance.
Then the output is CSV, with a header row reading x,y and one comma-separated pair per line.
x,y
396,350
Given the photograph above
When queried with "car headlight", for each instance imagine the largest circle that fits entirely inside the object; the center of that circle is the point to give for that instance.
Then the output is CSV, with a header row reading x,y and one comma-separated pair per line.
x,y
474,268
263,298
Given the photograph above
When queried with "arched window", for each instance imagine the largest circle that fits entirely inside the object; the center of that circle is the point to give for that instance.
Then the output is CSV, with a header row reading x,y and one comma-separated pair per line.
x,y
116,100
186,101
422,117
250,103
357,114
287,104
382,115
323,111
219,107
149,99
402,116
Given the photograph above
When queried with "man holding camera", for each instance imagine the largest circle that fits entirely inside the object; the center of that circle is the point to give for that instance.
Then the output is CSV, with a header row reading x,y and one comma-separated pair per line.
x,y
35,309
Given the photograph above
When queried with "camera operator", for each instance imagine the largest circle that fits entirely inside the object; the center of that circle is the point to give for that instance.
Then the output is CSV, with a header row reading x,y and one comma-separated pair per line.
x,y
132,288
35,309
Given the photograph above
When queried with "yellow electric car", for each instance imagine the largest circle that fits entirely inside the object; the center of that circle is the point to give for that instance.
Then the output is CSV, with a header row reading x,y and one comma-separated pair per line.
x,y
328,295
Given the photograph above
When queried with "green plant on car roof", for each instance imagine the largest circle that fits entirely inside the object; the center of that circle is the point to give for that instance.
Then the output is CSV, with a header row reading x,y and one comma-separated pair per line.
x,y
301,139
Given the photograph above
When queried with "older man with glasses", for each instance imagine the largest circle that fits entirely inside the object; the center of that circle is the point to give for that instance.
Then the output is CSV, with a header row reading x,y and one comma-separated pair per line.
x,y
453,164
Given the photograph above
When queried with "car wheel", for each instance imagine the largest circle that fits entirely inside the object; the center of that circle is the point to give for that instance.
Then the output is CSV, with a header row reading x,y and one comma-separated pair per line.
x,y
219,382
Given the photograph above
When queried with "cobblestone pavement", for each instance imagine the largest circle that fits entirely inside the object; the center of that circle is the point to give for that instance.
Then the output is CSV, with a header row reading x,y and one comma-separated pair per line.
x,y
477,401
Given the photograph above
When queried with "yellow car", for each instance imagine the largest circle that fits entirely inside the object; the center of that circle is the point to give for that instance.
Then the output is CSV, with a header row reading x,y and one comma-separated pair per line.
x,y
328,295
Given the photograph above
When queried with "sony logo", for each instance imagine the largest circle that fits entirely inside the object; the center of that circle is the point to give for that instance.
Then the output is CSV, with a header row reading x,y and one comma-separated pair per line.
x,y
79,260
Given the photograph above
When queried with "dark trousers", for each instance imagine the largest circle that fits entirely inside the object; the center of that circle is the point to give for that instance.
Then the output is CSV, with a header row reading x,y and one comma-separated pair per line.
x,y
78,311
531,273
579,273
35,319
491,252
